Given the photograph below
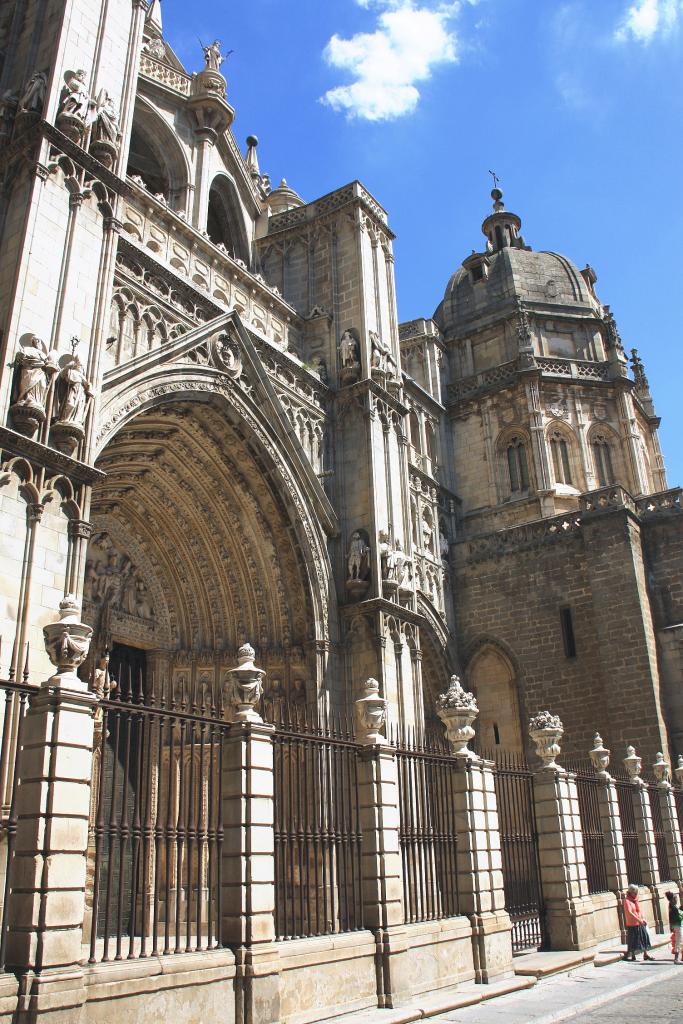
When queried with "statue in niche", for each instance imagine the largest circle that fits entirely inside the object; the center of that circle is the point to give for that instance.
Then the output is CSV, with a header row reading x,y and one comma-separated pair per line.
x,y
33,97
319,366
73,392
112,582
34,368
104,145
76,100
444,547
358,560
427,534
297,694
400,565
348,350
381,357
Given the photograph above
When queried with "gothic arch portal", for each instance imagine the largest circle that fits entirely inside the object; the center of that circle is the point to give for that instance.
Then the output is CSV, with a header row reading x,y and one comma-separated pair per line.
x,y
225,222
491,676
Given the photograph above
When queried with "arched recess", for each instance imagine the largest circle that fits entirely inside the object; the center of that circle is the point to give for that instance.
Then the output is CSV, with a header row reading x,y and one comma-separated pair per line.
x,y
491,676
157,157
209,497
225,220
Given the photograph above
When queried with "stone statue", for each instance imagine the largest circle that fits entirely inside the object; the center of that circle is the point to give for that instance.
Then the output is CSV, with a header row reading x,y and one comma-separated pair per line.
x,y
73,392
213,56
75,97
33,96
298,693
381,357
358,558
106,126
348,350
443,547
401,565
155,48
34,367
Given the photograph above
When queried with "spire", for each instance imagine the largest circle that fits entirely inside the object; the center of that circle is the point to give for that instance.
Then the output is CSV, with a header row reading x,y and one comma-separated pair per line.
x,y
251,159
502,229
153,18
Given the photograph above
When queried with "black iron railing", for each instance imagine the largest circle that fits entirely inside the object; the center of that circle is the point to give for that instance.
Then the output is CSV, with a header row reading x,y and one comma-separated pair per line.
x,y
629,832
519,843
659,833
678,797
428,834
154,859
318,838
588,787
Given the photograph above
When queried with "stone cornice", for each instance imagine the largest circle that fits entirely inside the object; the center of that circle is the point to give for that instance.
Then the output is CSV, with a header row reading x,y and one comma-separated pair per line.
x,y
42,455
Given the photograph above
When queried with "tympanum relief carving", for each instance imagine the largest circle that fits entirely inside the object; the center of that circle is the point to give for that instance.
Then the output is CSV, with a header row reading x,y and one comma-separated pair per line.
x,y
113,589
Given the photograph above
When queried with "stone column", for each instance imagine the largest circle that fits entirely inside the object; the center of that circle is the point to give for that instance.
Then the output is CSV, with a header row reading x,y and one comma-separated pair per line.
x,y
610,819
480,863
382,885
248,861
568,905
48,873
647,848
672,832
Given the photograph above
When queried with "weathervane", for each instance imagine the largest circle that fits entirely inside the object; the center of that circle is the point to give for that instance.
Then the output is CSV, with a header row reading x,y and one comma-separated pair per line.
x,y
496,179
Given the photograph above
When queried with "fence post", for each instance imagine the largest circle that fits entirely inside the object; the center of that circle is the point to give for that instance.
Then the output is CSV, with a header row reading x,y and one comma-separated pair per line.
x,y
382,885
480,861
568,905
670,824
248,861
615,857
48,869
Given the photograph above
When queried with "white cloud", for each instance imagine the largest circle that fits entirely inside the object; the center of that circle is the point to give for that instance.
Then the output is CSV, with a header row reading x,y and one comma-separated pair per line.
x,y
386,65
646,19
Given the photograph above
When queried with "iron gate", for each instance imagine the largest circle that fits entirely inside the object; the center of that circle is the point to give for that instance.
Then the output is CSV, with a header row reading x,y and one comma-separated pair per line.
x,y
519,842
588,787
629,832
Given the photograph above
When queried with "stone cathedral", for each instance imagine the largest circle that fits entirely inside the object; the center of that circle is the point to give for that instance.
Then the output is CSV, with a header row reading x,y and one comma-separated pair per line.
x,y
214,430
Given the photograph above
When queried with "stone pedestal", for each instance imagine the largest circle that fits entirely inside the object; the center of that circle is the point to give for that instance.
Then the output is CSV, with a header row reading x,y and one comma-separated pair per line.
x,y
480,875
48,872
382,884
248,870
568,905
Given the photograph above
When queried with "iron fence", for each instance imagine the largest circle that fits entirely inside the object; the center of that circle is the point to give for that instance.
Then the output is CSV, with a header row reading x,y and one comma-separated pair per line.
x,y
629,832
318,836
427,832
660,835
156,832
588,787
678,797
519,843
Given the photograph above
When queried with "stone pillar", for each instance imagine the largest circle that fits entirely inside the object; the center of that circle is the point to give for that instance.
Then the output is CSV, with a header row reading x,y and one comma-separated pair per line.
x,y
248,861
568,905
480,863
647,847
672,832
48,873
610,819
382,884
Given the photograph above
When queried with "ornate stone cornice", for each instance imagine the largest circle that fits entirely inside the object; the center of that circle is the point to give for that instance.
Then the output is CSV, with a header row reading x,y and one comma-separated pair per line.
x,y
42,455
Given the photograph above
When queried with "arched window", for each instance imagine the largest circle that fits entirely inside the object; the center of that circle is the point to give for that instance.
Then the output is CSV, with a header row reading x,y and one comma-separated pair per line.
x,y
431,442
559,450
492,678
224,221
157,157
414,427
518,467
602,460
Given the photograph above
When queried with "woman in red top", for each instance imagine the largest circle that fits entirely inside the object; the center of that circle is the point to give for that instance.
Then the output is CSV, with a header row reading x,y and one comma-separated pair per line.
x,y
637,935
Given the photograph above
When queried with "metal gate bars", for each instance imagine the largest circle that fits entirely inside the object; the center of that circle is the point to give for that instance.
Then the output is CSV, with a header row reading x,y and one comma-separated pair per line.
x,y
519,843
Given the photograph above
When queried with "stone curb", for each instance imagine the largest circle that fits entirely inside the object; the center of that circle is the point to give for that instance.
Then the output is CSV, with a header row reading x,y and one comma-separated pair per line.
x,y
597,1001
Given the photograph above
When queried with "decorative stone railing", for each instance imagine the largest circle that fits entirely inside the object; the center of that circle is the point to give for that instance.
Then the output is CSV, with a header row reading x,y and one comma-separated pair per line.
x,y
663,501
166,75
581,368
505,373
606,498
529,535
328,204
169,239
417,329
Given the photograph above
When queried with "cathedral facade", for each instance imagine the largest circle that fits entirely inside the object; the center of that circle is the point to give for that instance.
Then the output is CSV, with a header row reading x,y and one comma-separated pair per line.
x,y
215,432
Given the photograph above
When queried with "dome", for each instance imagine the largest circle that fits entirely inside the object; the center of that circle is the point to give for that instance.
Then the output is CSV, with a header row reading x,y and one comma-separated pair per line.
x,y
283,198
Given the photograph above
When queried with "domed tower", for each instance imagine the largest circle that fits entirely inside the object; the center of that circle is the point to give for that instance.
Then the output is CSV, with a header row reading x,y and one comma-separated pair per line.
x,y
540,397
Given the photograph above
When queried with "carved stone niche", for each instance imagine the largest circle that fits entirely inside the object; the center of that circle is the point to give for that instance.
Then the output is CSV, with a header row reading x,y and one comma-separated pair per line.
x,y
349,357
113,585
358,565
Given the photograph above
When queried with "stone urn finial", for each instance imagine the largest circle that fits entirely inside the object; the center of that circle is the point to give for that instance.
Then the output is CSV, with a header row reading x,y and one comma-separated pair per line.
x,y
67,643
371,714
662,770
457,709
247,685
546,730
633,764
678,772
599,756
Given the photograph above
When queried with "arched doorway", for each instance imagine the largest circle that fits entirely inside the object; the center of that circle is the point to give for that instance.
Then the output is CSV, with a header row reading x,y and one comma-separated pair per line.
x,y
193,552
492,679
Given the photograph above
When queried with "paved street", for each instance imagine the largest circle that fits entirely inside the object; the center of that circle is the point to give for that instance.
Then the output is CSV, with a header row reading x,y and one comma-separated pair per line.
x,y
620,993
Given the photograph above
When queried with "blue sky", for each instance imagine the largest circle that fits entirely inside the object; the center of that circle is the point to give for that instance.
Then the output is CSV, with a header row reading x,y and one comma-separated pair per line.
x,y
577,105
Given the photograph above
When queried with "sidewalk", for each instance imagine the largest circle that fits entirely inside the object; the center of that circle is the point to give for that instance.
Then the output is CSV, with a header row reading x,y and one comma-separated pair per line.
x,y
549,988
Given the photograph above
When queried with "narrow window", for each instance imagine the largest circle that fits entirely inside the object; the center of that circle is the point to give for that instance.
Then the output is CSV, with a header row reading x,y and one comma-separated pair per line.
x,y
567,627
602,458
561,465
517,466
496,734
